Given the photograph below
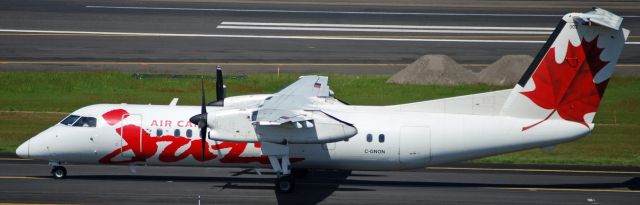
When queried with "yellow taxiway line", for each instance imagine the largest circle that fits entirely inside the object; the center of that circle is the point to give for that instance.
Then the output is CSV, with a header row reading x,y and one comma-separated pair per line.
x,y
25,204
194,63
532,170
489,187
236,64
12,159
485,65
19,177
11,203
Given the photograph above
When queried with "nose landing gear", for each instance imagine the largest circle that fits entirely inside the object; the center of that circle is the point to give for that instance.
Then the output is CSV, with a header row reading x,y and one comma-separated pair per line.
x,y
59,172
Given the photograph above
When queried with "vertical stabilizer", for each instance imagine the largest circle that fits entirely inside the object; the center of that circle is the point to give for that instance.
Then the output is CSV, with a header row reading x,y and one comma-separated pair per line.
x,y
568,77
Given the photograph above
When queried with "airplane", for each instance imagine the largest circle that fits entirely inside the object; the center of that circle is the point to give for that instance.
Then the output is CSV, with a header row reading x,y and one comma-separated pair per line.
x,y
303,126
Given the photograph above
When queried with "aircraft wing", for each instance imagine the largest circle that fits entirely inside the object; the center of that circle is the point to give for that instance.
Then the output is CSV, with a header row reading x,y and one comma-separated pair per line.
x,y
292,103
292,115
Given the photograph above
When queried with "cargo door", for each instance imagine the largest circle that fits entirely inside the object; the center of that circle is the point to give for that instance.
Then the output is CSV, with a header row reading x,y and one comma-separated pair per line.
x,y
415,144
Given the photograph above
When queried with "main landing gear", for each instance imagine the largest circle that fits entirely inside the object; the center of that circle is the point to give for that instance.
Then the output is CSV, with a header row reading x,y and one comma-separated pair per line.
x,y
59,172
284,182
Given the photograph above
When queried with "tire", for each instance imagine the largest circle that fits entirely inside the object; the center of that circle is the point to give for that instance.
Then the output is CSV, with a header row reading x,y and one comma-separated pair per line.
x,y
285,184
59,172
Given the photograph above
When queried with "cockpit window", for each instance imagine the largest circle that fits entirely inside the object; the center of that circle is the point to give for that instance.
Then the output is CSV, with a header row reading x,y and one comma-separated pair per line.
x,y
85,122
69,120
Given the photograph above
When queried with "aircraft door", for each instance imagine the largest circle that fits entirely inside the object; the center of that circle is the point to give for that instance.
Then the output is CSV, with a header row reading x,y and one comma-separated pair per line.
x,y
415,144
131,135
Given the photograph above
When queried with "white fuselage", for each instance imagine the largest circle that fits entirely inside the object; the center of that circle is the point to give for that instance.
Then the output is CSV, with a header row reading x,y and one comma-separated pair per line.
x,y
387,139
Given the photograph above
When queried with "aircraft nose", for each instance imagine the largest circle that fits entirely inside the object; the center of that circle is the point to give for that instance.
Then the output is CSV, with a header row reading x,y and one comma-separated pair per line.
x,y
23,150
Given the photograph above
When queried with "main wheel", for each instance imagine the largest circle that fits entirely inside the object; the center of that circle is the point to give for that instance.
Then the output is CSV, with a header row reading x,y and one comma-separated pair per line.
x,y
285,184
59,172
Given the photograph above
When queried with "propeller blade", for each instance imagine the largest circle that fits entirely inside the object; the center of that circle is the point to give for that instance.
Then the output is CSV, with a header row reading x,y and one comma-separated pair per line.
x,y
204,106
202,121
220,92
203,133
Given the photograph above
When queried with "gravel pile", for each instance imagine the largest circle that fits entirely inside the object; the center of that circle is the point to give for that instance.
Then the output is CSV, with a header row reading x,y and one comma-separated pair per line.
x,y
434,70
443,70
506,70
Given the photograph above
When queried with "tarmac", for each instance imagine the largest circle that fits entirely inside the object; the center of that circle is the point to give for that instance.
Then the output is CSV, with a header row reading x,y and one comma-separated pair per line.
x,y
29,182
290,36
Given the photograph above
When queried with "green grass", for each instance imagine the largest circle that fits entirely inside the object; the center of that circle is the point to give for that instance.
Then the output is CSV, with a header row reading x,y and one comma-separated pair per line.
x,y
18,127
611,145
613,142
68,91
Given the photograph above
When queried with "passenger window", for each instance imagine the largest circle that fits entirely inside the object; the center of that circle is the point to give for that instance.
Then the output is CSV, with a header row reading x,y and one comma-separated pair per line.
x,y
176,133
69,120
381,138
159,132
189,133
369,137
85,122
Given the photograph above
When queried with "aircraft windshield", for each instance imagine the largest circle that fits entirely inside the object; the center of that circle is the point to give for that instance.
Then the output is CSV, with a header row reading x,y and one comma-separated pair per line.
x,y
69,120
78,121
85,122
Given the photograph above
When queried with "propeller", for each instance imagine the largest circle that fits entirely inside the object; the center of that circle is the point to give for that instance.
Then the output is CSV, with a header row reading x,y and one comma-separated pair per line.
x,y
201,120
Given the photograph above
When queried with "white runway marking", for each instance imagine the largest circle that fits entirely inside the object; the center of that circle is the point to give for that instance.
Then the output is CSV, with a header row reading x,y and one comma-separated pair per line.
x,y
332,12
380,30
385,26
270,36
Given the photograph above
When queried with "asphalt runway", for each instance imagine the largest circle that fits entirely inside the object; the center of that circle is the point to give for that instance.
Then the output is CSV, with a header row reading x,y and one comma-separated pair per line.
x,y
27,182
299,36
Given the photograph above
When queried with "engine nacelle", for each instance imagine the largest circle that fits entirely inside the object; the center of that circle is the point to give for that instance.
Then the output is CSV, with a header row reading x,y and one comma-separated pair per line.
x,y
232,125
322,129
238,125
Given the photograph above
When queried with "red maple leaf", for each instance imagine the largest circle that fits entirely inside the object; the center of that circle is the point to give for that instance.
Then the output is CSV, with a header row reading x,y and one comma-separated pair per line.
x,y
568,88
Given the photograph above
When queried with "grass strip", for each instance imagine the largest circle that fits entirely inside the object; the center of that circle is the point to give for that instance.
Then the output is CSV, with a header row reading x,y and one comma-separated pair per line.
x,y
48,95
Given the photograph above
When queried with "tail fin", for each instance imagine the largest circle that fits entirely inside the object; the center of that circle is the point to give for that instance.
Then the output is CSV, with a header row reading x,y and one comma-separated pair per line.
x,y
568,77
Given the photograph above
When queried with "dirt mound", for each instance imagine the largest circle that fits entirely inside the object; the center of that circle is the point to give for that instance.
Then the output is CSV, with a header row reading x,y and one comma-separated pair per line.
x,y
434,70
506,70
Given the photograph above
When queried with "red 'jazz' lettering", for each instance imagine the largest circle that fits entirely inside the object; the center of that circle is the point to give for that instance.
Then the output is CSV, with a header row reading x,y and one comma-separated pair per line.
x,y
144,146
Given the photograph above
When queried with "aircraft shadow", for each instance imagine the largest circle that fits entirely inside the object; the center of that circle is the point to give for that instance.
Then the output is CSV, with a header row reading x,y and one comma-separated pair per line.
x,y
312,189
319,185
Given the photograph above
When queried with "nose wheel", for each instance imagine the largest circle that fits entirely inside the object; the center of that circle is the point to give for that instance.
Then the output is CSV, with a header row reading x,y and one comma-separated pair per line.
x,y
59,172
